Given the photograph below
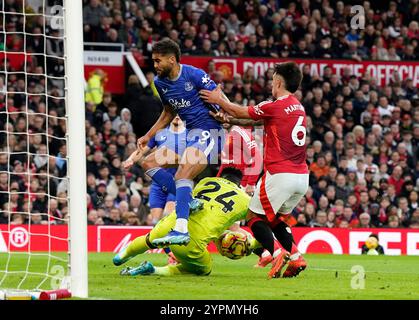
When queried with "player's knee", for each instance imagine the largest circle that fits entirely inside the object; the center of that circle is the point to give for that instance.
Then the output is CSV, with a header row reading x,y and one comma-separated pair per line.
x,y
148,164
183,173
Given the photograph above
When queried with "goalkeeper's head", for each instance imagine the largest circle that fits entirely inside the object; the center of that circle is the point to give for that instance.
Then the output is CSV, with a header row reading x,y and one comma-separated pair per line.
x,y
232,174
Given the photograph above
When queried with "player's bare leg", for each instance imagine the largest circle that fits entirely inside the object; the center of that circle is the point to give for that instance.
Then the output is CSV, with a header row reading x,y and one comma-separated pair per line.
x,y
156,214
193,162
169,207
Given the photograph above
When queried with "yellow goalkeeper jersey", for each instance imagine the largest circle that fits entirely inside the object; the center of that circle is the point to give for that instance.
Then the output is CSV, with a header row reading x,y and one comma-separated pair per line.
x,y
224,204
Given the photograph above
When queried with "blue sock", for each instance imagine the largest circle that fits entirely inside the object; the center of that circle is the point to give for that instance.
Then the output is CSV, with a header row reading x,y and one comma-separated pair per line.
x,y
183,197
163,179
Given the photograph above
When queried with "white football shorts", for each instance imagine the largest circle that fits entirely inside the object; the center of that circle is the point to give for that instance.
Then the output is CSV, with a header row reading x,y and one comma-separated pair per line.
x,y
278,193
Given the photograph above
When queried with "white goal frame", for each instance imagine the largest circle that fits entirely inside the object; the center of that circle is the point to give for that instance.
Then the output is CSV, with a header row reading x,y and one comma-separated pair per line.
x,y
74,65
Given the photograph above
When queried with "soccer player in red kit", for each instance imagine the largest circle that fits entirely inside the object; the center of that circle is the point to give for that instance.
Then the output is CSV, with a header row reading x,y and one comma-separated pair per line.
x,y
286,176
241,152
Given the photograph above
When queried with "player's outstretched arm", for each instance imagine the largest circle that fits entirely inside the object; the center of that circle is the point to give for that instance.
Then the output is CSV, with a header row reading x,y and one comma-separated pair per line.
x,y
216,96
135,157
162,122
224,117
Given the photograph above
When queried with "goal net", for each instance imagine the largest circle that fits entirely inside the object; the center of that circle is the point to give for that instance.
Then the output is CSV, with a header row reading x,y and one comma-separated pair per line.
x,y
42,192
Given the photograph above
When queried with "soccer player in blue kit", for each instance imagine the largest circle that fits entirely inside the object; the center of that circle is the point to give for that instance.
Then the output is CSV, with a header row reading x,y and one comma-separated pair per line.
x,y
178,86
171,138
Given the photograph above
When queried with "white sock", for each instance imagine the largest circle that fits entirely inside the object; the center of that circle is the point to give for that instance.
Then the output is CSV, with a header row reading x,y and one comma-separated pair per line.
x,y
276,253
181,225
265,254
295,256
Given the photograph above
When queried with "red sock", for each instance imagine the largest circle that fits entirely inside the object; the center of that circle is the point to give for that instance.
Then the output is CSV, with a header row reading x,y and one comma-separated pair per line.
x,y
294,249
277,245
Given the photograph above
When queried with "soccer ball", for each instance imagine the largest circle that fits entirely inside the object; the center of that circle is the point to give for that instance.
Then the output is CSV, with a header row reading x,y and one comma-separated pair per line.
x,y
234,245
372,252
371,243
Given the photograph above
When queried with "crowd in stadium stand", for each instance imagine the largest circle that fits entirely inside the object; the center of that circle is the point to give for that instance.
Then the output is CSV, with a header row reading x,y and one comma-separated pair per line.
x,y
267,28
362,141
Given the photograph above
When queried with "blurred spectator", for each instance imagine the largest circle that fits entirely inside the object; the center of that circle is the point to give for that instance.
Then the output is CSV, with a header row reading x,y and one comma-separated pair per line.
x,y
139,208
393,222
92,14
114,217
320,220
364,221
320,168
93,218
95,86
131,219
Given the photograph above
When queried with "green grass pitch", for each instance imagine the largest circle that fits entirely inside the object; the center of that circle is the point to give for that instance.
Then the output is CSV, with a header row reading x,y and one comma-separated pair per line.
x,y
327,277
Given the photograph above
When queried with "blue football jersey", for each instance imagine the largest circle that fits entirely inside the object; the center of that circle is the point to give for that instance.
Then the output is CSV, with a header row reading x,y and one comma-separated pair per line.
x,y
182,94
175,141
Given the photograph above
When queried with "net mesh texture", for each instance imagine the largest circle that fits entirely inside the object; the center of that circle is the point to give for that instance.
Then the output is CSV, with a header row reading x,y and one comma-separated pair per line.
x,y
33,145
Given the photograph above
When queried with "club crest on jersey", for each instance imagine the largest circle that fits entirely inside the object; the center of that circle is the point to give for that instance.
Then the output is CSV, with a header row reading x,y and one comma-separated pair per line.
x,y
205,79
188,86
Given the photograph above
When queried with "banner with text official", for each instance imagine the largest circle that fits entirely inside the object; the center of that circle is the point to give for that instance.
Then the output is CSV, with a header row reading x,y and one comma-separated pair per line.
x,y
113,238
382,71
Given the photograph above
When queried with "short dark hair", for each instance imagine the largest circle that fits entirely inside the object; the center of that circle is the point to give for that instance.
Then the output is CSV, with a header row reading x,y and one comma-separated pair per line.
x,y
232,174
375,235
167,46
291,74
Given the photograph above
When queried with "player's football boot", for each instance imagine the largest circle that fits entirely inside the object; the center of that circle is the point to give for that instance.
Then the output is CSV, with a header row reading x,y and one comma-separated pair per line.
x,y
145,268
173,238
264,261
295,267
195,205
118,260
278,264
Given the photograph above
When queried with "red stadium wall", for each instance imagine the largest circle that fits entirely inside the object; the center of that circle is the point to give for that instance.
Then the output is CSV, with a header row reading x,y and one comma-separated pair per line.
x,y
380,70
113,238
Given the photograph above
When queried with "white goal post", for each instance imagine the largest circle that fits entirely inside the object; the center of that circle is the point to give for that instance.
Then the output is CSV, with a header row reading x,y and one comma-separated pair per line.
x,y
73,29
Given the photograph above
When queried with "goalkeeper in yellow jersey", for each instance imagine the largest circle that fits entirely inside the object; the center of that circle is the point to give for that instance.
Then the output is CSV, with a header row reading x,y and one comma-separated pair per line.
x,y
220,203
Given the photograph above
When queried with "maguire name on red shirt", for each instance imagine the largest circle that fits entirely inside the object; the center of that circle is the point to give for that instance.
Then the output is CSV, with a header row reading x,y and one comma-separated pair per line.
x,y
285,134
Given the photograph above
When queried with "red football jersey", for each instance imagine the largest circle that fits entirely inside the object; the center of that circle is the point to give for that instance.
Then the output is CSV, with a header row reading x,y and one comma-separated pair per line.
x,y
285,134
241,152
